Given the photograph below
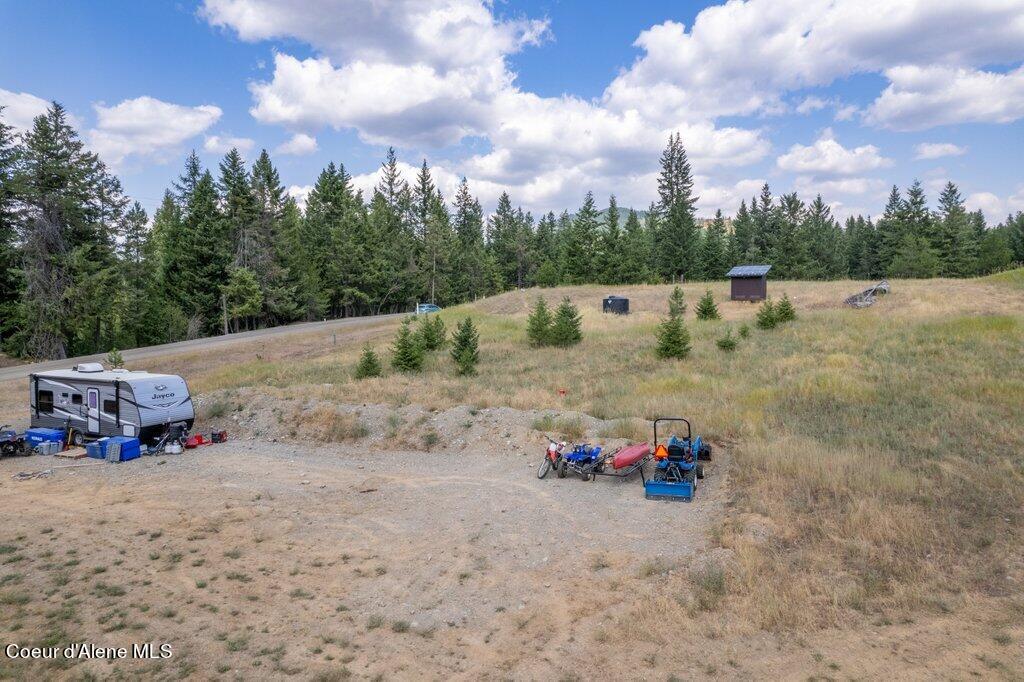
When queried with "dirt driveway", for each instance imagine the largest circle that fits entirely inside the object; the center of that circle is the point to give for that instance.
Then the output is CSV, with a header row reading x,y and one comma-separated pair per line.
x,y
332,560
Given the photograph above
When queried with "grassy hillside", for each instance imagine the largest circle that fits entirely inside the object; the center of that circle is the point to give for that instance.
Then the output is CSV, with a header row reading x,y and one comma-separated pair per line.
x,y
881,447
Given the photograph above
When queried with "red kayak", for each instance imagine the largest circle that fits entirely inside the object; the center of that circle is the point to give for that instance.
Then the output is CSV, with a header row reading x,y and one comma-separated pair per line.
x,y
630,455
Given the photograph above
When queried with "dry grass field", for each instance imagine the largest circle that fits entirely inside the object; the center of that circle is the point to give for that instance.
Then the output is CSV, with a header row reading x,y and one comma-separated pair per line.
x,y
867,519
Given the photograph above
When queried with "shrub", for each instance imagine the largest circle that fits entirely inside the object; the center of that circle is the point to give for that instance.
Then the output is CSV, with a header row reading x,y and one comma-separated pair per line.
x,y
706,308
727,342
676,303
369,364
784,310
407,354
744,330
538,325
114,359
431,333
766,317
466,347
566,330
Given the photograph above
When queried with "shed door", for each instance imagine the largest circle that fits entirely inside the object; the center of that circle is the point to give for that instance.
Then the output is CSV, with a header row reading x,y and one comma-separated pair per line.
x,y
93,403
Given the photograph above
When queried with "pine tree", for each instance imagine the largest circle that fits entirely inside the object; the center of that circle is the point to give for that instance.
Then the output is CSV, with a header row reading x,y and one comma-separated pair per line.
x,y
243,298
744,330
407,354
676,239
538,324
824,246
788,253
581,240
957,244
706,308
566,327
502,242
1015,235
465,347
673,337
714,258
10,158
890,230
609,265
470,280
635,255
677,302
369,364
784,311
994,254
766,316
743,231
270,260
431,333
766,226
728,342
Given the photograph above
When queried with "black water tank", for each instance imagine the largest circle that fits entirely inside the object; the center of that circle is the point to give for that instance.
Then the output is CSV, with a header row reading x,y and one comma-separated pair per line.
x,y
616,304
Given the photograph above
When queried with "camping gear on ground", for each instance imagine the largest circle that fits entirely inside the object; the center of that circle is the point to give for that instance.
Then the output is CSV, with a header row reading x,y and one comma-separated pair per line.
x,y
91,402
123,449
677,464
73,453
11,443
175,434
98,448
195,441
35,436
48,447
219,437
618,305
868,296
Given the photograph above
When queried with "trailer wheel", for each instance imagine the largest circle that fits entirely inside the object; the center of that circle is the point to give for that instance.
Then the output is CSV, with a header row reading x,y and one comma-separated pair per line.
x,y
77,439
562,469
545,467
584,475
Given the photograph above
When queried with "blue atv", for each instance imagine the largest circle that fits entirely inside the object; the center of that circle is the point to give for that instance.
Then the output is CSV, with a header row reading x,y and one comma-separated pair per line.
x,y
11,443
677,464
584,459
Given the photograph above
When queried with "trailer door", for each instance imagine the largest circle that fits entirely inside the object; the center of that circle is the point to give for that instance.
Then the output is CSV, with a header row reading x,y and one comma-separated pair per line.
x,y
93,403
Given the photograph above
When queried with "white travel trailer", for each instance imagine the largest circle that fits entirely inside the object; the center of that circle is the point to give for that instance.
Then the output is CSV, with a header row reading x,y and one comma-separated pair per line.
x,y
96,402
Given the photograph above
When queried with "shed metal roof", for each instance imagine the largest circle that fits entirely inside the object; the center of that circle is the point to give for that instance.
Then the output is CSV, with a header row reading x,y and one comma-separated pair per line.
x,y
749,271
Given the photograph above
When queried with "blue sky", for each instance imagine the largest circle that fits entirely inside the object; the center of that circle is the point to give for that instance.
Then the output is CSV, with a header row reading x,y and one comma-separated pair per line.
x,y
546,99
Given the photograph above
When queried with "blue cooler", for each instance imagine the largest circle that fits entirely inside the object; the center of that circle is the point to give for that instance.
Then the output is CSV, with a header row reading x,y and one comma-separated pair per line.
x,y
130,448
97,449
33,437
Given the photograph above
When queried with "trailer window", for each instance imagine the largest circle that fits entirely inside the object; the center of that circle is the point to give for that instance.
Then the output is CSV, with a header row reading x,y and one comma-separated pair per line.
x,y
76,399
110,406
44,401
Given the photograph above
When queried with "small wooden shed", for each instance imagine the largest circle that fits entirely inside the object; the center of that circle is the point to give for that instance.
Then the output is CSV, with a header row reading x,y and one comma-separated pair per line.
x,y
749,282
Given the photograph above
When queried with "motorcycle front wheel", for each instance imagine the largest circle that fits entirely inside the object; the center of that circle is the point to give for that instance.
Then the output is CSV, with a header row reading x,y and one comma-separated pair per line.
x,y
545,467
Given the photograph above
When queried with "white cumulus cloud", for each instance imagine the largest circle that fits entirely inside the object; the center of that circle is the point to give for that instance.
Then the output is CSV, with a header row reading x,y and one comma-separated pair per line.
x,y
827,157
146,126
222,144
937,150
299,144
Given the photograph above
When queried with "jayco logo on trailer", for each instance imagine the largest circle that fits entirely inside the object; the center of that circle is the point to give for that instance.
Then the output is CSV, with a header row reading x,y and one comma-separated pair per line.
x,y
158,396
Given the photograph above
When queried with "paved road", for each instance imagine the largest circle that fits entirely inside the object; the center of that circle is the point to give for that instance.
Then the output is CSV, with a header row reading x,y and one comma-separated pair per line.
x,y
22,371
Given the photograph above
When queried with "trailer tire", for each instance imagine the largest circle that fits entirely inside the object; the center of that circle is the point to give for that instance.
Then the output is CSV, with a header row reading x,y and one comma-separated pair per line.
x,y
77,439
545,467
585,476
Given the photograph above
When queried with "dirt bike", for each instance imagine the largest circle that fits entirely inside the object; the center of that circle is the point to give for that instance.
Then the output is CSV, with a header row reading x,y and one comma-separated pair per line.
x,y
552,457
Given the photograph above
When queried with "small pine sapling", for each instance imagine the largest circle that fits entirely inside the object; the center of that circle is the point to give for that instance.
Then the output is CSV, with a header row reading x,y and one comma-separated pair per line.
x,y
744,330
369,364
566,329
676,303
431,332
673,338
766,318
114,359
727,342
538,325
784,310
706,308
407,354
466,347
